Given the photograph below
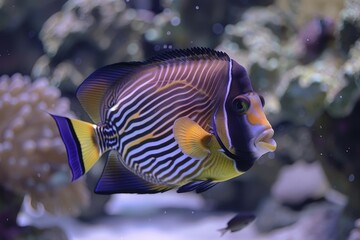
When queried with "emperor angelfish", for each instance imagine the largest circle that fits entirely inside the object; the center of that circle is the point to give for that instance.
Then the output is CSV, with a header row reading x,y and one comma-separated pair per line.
x,y
184,119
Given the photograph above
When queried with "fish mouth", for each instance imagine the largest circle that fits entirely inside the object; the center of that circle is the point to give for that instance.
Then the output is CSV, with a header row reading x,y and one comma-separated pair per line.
x,y
264,142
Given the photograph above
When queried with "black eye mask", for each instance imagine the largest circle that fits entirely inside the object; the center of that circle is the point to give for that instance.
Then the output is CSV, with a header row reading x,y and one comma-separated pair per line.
x,y
241,164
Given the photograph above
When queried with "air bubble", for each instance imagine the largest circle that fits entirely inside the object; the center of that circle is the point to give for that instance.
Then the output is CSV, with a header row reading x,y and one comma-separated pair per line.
x,y
175,21
132,48
347,149
151,34
217,28
351,177
271,155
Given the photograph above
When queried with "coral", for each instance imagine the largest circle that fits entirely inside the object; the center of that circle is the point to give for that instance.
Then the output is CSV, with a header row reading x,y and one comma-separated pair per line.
x,y
253,43
350,24
345,99
302,11
270,17
89,21
33,159
305,91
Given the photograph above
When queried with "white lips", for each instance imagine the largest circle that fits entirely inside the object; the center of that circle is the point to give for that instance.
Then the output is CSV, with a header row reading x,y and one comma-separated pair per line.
x,y
264,142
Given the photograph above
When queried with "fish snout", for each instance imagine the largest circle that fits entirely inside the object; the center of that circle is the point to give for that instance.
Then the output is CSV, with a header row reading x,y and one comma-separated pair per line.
x,y
264,142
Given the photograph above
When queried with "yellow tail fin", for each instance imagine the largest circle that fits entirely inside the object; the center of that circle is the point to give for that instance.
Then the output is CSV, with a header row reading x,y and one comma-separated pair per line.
x,y
81,144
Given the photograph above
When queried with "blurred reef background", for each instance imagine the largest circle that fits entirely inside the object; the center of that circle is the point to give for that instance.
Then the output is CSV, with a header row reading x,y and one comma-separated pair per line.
x,y
303,56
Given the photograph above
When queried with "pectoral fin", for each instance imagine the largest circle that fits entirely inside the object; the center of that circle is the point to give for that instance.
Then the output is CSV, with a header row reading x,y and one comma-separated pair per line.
x,y
192,138
199,186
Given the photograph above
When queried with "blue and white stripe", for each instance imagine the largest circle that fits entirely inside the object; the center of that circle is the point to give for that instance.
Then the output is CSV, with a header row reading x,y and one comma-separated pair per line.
x,y
147,106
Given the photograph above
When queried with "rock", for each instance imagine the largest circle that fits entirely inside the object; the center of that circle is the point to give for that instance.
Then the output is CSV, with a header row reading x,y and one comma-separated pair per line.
x,y
287,137
345,99
300,182
316,221
350,25
338,148
355,233
267,220
314,37
319,221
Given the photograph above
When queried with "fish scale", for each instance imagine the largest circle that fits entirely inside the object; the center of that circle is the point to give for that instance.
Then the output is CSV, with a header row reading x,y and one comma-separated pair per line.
x,y
186,90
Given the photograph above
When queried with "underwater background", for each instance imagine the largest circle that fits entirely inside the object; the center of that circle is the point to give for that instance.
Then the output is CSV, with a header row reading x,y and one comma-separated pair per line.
x,y
303,56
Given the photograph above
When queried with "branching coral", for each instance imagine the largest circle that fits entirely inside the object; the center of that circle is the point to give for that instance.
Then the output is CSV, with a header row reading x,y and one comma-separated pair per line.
x,y
32,156
85,35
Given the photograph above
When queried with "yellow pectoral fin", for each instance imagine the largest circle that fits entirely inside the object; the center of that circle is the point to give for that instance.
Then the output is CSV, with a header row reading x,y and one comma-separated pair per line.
x,y
192,138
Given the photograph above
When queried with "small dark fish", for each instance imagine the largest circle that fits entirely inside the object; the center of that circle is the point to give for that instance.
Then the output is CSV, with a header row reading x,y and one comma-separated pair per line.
x,y
185,119
240,221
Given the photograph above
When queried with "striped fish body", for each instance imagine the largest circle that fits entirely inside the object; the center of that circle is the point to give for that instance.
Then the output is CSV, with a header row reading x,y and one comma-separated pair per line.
x,y
157,118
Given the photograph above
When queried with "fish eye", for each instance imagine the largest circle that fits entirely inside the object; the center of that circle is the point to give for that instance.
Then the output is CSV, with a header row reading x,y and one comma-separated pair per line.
x,y
240,105
262,100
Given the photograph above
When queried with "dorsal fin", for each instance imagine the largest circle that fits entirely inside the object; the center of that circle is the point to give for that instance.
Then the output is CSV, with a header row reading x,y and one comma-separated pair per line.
x,y
92,90
195,53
